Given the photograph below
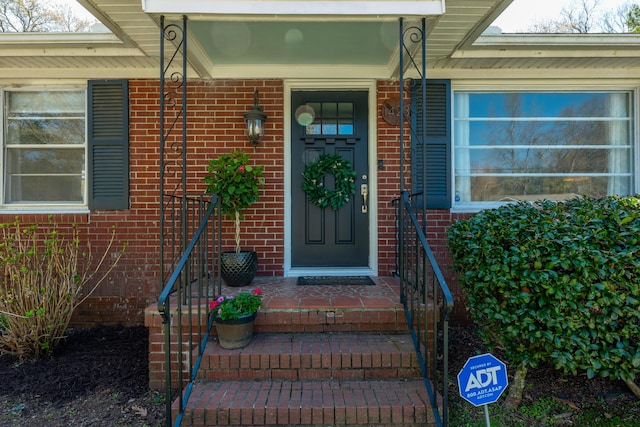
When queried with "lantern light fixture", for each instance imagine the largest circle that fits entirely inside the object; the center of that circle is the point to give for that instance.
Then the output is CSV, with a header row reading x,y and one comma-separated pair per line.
x,y
255,119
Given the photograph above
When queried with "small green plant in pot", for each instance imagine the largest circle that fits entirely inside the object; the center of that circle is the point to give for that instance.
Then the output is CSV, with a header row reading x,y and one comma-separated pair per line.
x,y
235,316
237,184
235,307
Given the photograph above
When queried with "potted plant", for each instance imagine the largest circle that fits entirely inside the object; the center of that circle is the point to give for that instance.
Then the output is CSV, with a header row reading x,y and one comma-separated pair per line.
x,y
237,185
234,317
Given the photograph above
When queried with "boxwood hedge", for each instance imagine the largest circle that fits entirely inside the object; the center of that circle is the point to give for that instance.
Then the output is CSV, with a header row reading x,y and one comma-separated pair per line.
x,y
556,281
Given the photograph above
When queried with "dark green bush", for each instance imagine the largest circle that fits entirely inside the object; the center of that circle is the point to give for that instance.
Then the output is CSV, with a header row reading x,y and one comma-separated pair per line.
x,y
556,281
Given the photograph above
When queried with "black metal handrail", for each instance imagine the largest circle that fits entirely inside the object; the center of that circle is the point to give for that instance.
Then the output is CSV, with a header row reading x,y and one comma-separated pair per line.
x,y
185,299
427,303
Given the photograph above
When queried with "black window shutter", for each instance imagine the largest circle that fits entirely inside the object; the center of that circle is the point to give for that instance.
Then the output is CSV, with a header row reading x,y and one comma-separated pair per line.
x,y
108,144
437,141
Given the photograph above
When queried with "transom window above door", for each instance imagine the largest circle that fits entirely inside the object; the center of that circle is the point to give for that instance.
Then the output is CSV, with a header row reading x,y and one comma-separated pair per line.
x,y
326,118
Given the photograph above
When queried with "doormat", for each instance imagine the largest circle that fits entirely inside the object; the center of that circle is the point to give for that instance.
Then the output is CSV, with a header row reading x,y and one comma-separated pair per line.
x,y
335,280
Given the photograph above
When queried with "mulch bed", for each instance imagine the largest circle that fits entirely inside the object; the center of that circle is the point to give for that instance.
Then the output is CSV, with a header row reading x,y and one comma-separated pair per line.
x,y
96,377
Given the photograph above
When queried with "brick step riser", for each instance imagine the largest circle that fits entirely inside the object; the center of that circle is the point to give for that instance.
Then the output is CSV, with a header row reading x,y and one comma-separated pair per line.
x,y
308,374
334,425
351,366
314,356
345,404
315,321
306,417
318,321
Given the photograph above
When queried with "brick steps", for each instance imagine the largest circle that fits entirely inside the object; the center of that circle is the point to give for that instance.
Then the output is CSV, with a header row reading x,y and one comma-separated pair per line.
x,y
319,357
311,379
311,356
309,403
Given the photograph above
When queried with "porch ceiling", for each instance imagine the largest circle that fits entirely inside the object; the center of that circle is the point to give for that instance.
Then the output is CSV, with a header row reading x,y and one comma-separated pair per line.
x,y
333,42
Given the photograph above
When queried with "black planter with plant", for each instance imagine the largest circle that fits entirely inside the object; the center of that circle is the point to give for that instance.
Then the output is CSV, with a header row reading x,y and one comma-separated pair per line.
x,y
237,185
238,268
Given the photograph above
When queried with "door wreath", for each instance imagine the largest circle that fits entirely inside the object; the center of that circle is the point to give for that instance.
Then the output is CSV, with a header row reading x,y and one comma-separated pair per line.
x,y
313,182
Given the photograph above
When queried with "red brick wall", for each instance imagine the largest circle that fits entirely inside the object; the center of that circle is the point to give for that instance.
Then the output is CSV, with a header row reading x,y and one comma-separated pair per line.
x,y
388,181
438,220
216,125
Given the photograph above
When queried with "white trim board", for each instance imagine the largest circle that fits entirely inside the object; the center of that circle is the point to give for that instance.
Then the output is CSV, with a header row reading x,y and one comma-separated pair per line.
x,y
283,8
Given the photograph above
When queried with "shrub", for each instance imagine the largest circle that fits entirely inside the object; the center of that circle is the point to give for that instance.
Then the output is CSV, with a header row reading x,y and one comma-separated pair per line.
x,y
556,282
44,278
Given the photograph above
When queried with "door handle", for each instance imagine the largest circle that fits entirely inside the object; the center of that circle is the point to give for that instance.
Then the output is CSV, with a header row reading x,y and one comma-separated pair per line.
x,y
364,191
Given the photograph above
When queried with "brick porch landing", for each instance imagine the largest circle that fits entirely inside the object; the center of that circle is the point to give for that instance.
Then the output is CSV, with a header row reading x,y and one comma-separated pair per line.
x,y
283,293
357,308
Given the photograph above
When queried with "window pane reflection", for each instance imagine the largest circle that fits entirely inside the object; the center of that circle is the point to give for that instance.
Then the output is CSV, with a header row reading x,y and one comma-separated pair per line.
x,y
332,119
529,145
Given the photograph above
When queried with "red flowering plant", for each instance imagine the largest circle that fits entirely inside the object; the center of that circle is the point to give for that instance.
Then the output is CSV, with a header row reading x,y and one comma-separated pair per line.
x,y
236,183
234,307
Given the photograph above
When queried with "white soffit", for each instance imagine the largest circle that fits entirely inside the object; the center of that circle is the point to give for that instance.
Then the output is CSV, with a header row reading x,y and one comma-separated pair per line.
x,y
283,8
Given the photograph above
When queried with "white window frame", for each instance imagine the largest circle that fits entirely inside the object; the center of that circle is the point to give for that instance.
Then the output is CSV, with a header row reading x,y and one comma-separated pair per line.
x,y
45,206
474,206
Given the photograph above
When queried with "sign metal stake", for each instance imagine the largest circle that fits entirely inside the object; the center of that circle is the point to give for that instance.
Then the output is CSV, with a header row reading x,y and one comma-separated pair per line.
x,y
486,415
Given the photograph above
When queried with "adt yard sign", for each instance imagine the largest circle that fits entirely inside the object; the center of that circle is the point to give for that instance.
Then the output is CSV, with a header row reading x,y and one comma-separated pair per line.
x,y
482,379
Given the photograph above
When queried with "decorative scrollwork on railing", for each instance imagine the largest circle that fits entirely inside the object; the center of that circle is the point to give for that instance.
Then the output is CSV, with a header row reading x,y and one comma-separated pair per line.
x,y
412,75
412,34
172,79
173,100
413,43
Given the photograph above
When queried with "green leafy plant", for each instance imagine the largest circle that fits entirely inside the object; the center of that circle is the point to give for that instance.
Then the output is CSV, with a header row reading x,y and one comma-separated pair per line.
x,y
236,183
555,281
234,307
45,275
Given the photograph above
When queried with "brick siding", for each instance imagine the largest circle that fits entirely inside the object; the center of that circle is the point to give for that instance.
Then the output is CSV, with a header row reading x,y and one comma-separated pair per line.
x,y
216,125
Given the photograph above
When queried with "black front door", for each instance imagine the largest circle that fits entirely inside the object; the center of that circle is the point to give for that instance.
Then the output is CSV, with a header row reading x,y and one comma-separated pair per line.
x,y
332,123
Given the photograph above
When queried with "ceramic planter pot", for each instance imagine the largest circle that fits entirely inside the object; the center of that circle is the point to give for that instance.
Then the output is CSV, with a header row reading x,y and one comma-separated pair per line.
x,y
235,333
238,269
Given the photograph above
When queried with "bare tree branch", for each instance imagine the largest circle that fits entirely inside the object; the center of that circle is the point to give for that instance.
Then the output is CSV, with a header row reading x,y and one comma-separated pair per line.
x,y
587,16
582,16
25,16
615,21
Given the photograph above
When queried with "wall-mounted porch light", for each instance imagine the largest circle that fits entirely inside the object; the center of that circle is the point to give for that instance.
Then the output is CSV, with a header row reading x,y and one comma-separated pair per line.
x,y
255,119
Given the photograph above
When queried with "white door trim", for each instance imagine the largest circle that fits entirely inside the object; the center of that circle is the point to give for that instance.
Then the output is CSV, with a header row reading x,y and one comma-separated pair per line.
x,y
324,85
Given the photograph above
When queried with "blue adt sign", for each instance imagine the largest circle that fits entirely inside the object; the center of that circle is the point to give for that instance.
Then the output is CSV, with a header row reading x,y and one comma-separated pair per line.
x,y
482,379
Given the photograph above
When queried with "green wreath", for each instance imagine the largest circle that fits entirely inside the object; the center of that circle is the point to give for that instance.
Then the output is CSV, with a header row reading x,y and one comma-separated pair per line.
x,y
313,182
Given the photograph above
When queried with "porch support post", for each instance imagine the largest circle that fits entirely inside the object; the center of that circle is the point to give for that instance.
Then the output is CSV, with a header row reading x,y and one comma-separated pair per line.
x,y
173,179
173,143
400,213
